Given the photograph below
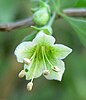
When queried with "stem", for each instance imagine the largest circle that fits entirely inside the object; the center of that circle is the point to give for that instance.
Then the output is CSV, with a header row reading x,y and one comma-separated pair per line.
x,y
52,19
14,25
74,12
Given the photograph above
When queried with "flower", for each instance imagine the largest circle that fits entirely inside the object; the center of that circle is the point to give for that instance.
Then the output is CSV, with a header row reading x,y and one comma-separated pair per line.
x,y
42,56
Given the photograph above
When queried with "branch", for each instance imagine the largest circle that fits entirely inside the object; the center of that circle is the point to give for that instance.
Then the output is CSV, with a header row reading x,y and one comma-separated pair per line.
x,y
76,12
10,26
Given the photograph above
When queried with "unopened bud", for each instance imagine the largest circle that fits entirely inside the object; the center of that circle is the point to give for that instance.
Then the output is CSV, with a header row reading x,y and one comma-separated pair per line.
x,y
21,74
55,68
41,17
46,72
29,86
27,61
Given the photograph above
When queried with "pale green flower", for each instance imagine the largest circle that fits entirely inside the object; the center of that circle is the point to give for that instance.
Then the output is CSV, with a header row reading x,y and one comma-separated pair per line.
x,y
42,56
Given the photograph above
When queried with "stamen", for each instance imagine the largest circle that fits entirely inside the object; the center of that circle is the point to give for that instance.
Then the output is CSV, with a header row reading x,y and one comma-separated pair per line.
x,y
22,74
27,61
29,86
55,68
46,72
47,58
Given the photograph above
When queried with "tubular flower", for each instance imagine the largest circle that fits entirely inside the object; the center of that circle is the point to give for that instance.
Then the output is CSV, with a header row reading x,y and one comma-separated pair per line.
x,y
42,56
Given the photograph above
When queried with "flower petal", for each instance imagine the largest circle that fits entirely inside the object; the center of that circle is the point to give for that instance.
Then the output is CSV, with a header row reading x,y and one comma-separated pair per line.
x,y
44,39
56,75
61,51
34,71
24,50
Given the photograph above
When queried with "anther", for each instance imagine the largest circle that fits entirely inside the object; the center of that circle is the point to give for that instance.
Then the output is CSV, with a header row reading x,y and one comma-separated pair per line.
x,y
21,74
46,72
27,61
55,68
29,86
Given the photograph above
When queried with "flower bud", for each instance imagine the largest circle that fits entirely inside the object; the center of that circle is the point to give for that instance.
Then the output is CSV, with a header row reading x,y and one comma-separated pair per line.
x,y
55,68
21,74
29,86
46,72
41,17
27,61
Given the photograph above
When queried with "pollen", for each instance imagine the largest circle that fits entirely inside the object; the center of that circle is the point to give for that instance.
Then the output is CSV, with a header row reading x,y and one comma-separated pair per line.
x,y
27,61
22,74
46,72
29,86
55,68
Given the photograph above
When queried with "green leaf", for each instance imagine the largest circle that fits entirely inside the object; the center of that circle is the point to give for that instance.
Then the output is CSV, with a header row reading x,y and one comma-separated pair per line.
x,y
54,4
29,37
81,3
57,5
79,25
67,3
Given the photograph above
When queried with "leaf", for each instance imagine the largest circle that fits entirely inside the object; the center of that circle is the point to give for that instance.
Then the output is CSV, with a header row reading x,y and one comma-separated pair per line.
x,y
79,25
29,37
81,3
54,4
57,5
67,3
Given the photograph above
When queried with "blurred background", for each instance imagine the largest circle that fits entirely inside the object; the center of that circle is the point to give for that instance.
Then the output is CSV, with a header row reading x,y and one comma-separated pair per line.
x,y
73,85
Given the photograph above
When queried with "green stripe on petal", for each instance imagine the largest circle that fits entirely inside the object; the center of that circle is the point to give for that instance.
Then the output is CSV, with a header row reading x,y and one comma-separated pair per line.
x,y
24,50
61,51
35,70
56,75
44,39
